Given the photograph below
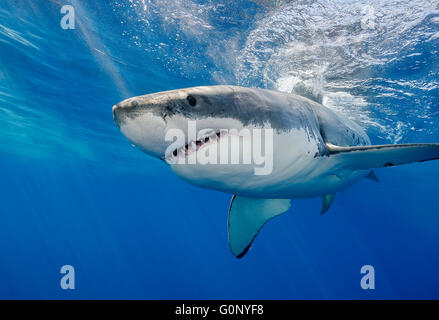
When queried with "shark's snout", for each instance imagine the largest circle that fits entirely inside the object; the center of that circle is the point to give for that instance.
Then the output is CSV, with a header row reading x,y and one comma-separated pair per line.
x,y
122,110
119,114
142,123
115,114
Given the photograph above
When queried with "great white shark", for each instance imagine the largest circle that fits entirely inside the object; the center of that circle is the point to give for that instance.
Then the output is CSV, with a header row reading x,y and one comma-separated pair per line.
x,y
316,151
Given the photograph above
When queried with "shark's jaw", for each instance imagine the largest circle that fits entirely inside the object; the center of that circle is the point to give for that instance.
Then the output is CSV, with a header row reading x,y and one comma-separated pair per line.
x,y
183,151
152,133
146,120
147,133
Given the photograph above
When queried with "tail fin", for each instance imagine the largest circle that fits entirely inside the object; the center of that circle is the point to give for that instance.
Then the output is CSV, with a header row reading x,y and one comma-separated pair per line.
x,y
367,157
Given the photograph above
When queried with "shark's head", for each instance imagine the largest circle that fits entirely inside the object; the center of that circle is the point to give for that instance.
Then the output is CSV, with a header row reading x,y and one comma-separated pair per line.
x,y
161,124
145,120
259,122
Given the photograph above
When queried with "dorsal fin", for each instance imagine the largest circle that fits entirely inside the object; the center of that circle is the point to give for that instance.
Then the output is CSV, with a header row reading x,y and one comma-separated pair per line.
x,y
247,216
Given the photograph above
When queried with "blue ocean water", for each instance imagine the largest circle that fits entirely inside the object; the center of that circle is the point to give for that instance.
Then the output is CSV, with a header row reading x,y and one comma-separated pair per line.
x,y
73,191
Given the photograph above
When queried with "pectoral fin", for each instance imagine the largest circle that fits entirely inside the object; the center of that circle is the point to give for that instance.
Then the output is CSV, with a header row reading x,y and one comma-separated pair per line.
x,y
247,216
326,202
368,157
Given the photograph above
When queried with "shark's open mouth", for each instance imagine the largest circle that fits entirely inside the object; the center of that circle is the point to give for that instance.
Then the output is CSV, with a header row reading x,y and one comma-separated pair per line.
x,y
194,146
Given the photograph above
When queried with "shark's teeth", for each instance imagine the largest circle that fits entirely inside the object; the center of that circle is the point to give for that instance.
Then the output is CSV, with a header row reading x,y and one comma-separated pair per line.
x,y
194,146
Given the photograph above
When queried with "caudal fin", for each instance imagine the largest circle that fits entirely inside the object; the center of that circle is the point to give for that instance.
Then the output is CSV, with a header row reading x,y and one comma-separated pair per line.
x,y
367,157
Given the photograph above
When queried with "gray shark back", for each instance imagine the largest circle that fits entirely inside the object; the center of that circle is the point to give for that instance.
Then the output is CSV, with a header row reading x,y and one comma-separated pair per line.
x,y
285,111
337,129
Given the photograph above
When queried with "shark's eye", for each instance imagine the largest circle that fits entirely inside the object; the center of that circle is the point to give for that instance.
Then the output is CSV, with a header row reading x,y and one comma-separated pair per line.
x,y
191,100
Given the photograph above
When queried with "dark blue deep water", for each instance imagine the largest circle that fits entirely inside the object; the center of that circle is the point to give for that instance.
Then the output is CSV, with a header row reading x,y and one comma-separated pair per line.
x,y
73,190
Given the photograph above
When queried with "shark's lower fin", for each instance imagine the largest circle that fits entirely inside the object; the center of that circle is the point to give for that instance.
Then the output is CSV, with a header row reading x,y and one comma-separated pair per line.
x,y
247,216
368,157
372,176
326,202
